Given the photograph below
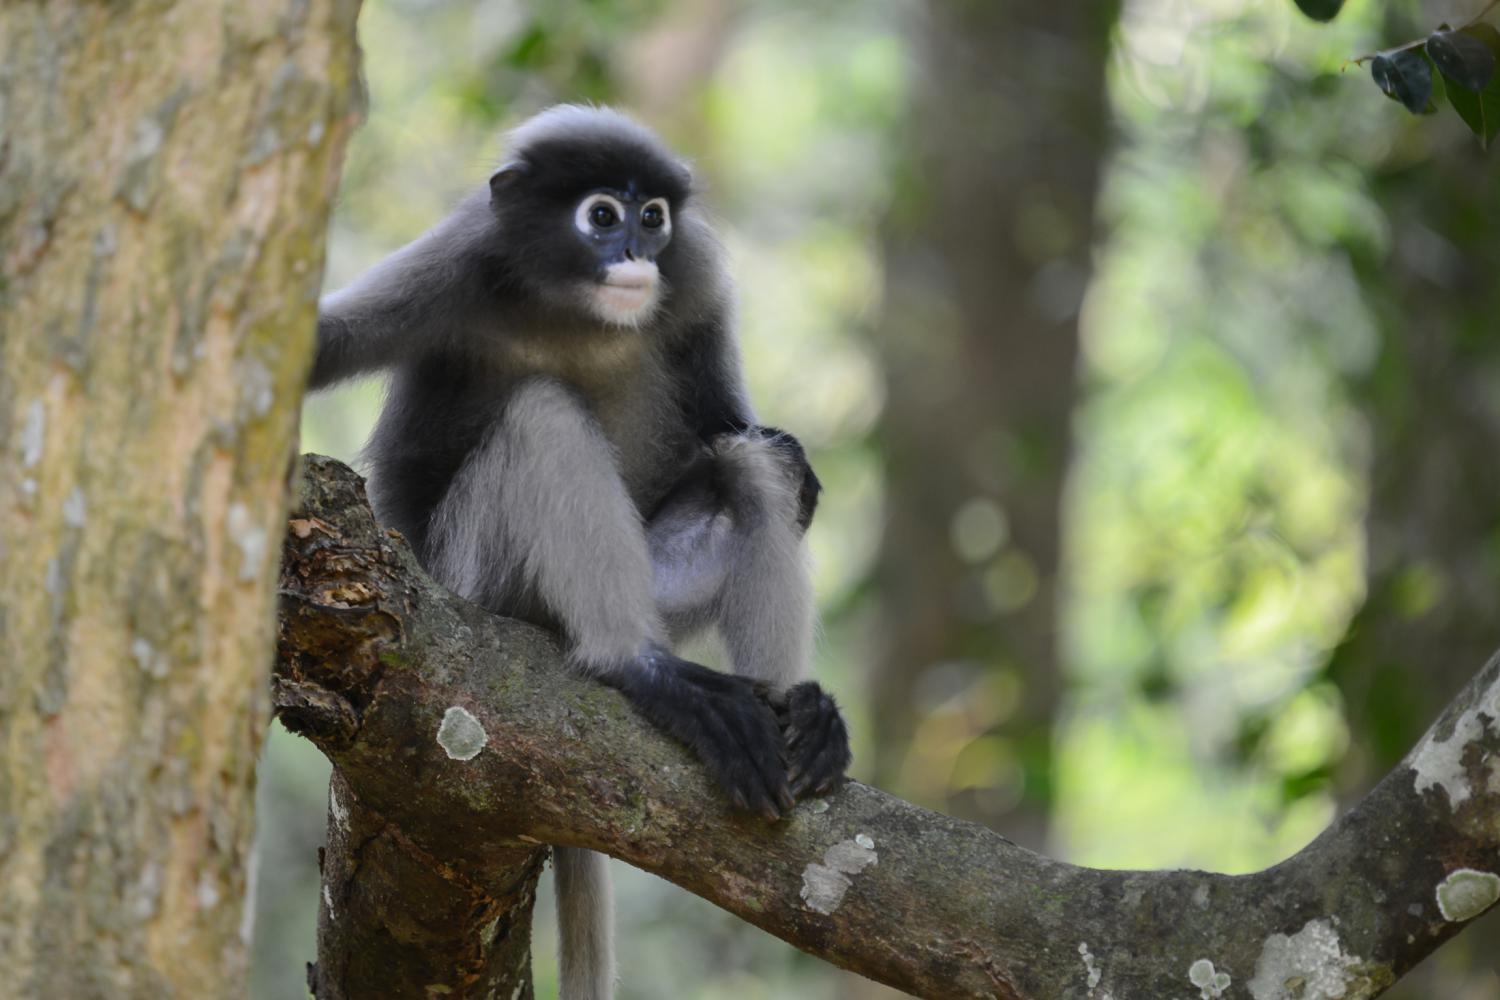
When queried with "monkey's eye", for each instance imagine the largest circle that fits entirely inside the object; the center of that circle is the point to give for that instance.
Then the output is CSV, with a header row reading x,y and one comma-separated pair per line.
x,y
602,216
654,215
596,212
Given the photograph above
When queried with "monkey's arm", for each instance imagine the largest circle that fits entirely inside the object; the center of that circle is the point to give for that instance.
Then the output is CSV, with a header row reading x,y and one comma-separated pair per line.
x,y
717,403
420,296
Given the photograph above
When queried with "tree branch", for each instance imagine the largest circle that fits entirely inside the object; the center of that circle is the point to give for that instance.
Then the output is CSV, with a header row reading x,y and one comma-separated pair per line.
x,y
468,742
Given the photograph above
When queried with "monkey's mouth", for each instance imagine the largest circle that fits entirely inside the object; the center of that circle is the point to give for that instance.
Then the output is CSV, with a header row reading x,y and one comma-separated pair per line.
x,y
627,293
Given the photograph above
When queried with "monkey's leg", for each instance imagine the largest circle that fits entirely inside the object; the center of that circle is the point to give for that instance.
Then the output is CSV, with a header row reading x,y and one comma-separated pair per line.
x,y
727,546
539,513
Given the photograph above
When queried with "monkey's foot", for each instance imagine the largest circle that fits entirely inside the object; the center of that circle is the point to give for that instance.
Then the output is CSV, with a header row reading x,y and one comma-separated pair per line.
x,y
725,720
817,741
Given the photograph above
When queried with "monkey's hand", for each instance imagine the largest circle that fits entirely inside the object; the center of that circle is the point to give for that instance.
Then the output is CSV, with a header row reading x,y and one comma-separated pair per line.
x,y
817,741
795,457
725,720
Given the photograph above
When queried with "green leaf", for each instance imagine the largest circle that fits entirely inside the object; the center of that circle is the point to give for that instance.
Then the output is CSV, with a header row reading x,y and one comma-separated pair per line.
x,y
1321,10
1481,111
1439,89
1463,59
1404,75
1487,34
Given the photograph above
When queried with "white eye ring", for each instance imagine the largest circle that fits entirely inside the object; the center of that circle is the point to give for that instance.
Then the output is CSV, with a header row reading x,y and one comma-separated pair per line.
x,y
666,215
581,216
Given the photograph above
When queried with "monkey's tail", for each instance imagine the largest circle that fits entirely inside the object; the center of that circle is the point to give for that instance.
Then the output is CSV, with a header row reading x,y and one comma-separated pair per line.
x,y
585,924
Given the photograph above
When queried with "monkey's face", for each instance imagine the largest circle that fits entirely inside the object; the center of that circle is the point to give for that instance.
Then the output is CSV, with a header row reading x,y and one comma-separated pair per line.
x,y
588,206
624,233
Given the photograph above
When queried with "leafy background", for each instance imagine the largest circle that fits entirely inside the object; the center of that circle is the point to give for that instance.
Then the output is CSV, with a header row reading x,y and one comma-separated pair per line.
x,y
1152,366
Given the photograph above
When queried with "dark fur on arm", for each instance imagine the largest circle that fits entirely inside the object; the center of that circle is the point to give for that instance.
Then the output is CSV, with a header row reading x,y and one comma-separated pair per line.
x,y
716,403
418,297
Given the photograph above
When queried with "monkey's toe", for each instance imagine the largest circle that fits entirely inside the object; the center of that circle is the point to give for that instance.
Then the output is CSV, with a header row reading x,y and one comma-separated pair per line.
x,y
816,739
741,746
725,720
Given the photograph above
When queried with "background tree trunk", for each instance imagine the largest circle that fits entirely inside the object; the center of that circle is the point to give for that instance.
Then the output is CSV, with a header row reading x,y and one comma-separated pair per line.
x,y
165,175
988,255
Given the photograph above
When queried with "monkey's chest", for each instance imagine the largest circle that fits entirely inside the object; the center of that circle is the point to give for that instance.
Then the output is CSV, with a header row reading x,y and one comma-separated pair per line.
x,y
651,444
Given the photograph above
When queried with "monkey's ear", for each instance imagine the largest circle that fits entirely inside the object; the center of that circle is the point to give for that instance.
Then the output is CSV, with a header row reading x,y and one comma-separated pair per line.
x,y
507,174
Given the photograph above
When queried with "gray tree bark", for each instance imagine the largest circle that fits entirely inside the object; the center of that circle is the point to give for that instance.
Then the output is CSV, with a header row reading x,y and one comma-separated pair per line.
x,y
461,742
166,171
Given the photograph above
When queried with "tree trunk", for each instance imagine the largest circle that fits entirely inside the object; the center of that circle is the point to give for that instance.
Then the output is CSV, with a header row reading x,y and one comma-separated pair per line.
x,y
988,256
165,175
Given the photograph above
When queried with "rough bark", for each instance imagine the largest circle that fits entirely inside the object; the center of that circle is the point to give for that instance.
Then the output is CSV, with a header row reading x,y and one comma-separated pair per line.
x,y
987,257
165,174
374,657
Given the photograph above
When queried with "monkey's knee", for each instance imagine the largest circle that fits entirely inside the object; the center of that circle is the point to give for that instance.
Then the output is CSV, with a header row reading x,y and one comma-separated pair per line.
x,y
764,480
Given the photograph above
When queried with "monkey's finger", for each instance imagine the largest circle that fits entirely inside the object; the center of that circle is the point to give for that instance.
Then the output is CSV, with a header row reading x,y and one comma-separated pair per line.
x,y
755,730
793,736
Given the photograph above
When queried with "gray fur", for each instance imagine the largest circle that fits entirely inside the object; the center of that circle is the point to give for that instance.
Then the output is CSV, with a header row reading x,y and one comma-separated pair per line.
x,y
539,507
766,616
586,946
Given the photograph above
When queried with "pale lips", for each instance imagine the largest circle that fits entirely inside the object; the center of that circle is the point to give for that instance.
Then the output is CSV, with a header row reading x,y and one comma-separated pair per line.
x,y
628,288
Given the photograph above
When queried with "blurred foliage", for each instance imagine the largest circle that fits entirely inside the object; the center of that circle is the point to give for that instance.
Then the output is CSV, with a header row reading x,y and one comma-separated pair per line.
x,y
1215,552
1215,542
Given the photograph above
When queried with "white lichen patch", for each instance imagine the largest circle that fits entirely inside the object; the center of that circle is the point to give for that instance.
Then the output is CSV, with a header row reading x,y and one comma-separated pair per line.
x,y
33,434
1211,983
146,892
460,735
207,892
1091,971
328,901
1309,965
251,539
1466,893
75,509
865,840
337,810
1440,763
824,885
257,388
146,656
